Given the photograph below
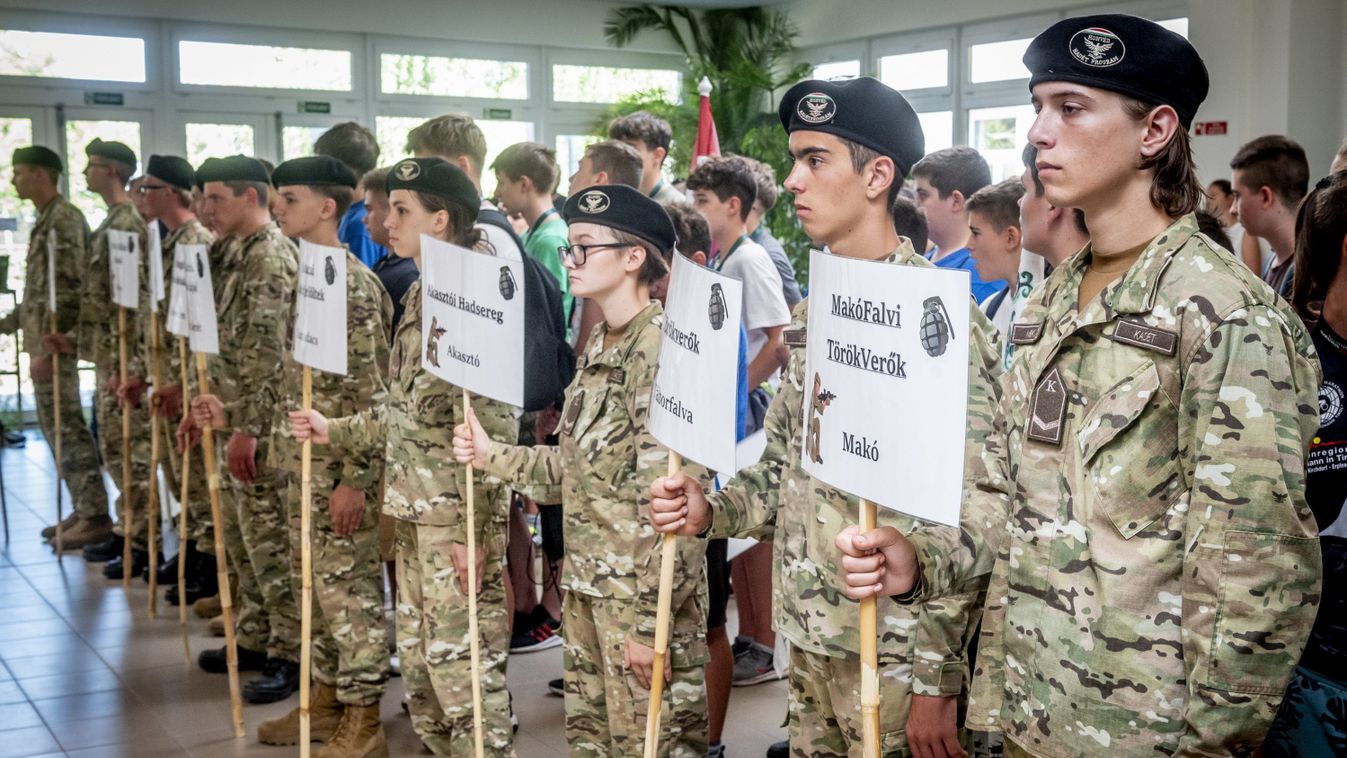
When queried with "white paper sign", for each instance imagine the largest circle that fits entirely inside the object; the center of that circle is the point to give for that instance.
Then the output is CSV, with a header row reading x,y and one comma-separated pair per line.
x,y
178,323
320,308
472,320
204,335
156,256
51,270
124,263
692,401
886,381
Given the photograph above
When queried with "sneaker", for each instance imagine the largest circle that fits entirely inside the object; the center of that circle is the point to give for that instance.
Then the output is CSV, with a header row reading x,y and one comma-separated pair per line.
x,y
514,719
754,667
779,749
543,635
741,645
716,751
557,687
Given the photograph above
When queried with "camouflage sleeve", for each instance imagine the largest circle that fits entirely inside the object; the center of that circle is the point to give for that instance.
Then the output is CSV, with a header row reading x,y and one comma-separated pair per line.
x,y
365,429
95,318
267,285
367,350
1251,573
523,465
944,624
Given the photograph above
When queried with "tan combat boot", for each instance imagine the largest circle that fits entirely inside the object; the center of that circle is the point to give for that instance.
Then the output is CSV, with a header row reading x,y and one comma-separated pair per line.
x,y
49,532
208,607
325,713
85,532
216,626
360,735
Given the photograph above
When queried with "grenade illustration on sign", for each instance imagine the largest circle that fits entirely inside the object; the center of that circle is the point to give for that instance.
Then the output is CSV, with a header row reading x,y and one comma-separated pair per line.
x,y
507,284
200,267
935,329
330,271
716,308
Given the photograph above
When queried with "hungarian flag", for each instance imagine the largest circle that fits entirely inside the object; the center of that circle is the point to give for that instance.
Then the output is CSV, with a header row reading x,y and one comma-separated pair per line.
x,y
708,144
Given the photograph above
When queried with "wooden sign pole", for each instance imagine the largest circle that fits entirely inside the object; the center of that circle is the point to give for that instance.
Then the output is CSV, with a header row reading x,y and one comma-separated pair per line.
x,y
869,632
668,556
184,486
475,646
127,506
153,509
306,571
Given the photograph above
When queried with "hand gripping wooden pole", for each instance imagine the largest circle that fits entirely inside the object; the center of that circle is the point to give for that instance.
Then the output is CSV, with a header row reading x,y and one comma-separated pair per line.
x,y
184,486
668,556
56,442
869,655
153,511
127,506
474,645
306,573
221,563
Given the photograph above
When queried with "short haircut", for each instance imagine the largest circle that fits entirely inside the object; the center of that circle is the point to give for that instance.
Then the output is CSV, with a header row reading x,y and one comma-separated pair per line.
x,y
376,179
239,187
1276,162
909,222
643,126
351,144
124,170
1030,158
861,157
727,177
955,169
999,203
694,235
766,178
339,194
537,162
1223,185
449,136
617,159
1209,225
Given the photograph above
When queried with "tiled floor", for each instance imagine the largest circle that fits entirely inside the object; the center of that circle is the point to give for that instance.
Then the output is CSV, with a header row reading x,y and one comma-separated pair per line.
x,y
85,672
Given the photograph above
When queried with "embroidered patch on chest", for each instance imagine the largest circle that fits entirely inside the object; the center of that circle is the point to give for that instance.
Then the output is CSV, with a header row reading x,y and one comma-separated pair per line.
x,y
1149,337
793,337
1026,334
1048,409
617,376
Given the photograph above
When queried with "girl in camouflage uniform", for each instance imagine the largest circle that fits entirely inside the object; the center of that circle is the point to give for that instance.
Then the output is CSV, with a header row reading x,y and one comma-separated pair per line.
x,y
619,242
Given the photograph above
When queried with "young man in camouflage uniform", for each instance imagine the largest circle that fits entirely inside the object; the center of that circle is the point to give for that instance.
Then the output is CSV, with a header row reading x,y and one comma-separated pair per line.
x,y
850,158
110,167
1140,506
253,292
36,170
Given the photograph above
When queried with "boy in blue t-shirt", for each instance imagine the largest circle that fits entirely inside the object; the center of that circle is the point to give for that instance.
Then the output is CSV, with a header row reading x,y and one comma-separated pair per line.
x,y
945,180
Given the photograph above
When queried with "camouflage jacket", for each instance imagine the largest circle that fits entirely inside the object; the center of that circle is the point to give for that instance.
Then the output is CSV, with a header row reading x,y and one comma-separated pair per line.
x,y
368,313
98,321
777,500
72,238
253,299
604,462
1141,508
191,233
416,428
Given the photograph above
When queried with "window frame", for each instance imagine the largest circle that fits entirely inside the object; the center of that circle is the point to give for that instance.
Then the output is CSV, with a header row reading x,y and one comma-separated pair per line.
x,y
380,46
600,58
100,26
263,37
946,39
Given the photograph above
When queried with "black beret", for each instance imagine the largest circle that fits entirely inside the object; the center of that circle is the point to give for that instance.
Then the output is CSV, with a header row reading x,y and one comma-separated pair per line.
x,y
863,110
1125,54
435,176
618,206
113,151
314,171
172,169
235,168
37,155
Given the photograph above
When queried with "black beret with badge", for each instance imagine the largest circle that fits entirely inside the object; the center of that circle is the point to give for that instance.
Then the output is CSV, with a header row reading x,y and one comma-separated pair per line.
x,y
314,171
863,110
113,151
618,206
172,169
1132,56
37,155
235,168
435,176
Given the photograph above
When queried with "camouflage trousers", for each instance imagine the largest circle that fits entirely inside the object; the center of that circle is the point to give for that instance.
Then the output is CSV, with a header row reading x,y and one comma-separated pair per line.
x,y
110,444
198,494
268,614
79,457
605,706
348,633
434,647
825,706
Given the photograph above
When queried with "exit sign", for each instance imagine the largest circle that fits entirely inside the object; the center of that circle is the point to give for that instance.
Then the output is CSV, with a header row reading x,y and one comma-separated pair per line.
x,y
1211,128
104,98
497,114
314,106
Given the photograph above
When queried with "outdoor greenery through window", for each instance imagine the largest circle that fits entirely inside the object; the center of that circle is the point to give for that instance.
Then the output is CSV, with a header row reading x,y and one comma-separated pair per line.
x,y
78,135
72,56
453,77
297,141
218,141
608,84
227,64
391,133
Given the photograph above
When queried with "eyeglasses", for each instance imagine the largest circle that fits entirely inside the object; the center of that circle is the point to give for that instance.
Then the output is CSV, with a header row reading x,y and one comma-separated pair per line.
x,y
146,189
577,254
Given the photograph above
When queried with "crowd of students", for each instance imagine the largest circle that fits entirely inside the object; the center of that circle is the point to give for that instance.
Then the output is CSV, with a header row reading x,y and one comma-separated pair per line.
x,y
1147,559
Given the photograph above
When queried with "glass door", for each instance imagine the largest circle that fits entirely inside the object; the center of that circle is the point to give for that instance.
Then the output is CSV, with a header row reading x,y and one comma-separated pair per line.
x,y
80,127
19,127
219,135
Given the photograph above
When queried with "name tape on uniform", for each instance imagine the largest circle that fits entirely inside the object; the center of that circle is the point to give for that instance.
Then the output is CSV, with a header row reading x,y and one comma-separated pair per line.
x,y
203,332
691,405
156,260
320,308
124,264
472,320
885,383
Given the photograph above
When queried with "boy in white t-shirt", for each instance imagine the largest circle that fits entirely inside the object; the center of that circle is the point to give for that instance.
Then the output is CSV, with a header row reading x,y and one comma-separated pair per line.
x,y
723,190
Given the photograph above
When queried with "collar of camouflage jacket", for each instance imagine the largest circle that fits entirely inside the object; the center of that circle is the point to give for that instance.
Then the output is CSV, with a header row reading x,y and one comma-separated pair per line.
x,y
616,356
116,212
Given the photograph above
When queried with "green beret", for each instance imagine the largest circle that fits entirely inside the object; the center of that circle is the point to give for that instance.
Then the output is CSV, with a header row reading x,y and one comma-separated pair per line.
x,y
435,176
113,151
235,168
314,171
618,206
171,169
36,155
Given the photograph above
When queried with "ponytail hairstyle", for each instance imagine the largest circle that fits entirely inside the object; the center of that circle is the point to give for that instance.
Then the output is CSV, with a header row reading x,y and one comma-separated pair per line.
x,y
1321,226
